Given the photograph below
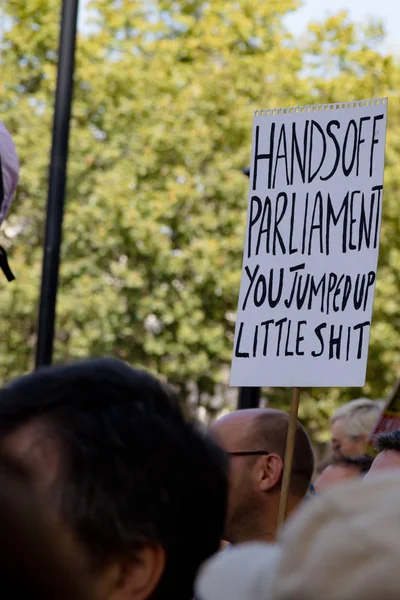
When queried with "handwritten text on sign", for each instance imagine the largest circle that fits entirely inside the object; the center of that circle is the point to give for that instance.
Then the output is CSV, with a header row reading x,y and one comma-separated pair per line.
x,y
311,248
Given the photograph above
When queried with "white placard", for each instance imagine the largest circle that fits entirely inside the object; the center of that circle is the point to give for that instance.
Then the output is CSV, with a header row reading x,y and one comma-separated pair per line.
x,y
311,247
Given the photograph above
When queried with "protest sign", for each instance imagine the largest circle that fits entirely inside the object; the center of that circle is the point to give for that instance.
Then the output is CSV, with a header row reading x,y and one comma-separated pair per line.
x,y
389,419
311,246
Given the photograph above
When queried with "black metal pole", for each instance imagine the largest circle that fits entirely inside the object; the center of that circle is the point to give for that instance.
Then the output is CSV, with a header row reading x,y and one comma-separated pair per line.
x,y
249,397
57,183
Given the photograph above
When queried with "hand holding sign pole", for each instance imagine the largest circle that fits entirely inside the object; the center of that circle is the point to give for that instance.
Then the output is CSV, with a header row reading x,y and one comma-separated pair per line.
x,y
311,250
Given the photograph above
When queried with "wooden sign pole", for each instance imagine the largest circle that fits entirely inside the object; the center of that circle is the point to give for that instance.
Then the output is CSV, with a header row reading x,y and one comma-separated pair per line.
x,y
288,463
258,358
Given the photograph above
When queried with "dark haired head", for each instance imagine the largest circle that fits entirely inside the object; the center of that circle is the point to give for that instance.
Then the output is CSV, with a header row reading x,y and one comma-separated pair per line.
x,y
130,472
388,441
337,470
362,463
33,561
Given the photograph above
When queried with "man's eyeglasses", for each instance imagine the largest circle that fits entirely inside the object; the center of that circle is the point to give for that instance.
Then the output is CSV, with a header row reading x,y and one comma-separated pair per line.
x,y
251,453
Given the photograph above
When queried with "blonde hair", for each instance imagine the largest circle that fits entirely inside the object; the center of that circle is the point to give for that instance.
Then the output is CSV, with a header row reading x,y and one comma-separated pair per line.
x,y
359,416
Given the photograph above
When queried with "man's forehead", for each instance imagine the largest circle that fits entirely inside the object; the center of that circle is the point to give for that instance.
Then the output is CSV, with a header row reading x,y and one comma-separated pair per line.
x,y
234,429
337,427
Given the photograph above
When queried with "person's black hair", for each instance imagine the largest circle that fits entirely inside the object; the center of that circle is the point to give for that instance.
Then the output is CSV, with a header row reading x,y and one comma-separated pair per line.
x,y
362,463
388,441
33,562
133,470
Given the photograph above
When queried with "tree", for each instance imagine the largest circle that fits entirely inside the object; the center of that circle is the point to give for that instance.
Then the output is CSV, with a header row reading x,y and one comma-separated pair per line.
x,y
156,206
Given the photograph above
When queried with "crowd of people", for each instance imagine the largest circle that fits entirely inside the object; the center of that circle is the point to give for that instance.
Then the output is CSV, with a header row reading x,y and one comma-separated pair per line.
x,y
109,492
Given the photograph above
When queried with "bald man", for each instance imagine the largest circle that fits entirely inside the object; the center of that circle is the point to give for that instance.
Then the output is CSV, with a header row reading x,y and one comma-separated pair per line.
x,y
255,440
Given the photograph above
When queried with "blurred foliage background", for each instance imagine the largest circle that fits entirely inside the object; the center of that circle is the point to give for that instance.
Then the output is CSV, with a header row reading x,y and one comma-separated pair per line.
x,y
156,203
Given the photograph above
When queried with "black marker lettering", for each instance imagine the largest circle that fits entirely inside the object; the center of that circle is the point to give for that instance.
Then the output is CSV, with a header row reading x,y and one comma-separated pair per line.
x,y
335,219
361,326
314,290
281,140
318,225
266,324
259,297
301,161
352,220
287,351
288,301
320,339
253,219
377,188
360,141
348,170
337,292
363,232
301,296
335,342
267,229
297,267
315,125
274,301
348,343
238,353
359,291
346,291
299,338
331,286
374,141
303,246
279,324
268,156
278,219
337,148
292,221
252,277
370,282
255,341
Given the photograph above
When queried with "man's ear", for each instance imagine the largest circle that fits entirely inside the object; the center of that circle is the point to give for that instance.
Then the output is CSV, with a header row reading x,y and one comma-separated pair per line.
x,y
270,472
136,579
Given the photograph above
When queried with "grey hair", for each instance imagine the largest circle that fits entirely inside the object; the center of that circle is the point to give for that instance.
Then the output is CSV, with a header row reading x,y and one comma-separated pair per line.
x,y
359,416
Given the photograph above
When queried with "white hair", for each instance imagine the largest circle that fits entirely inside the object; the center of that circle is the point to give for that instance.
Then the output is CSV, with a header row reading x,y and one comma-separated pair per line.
x,y
359,416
